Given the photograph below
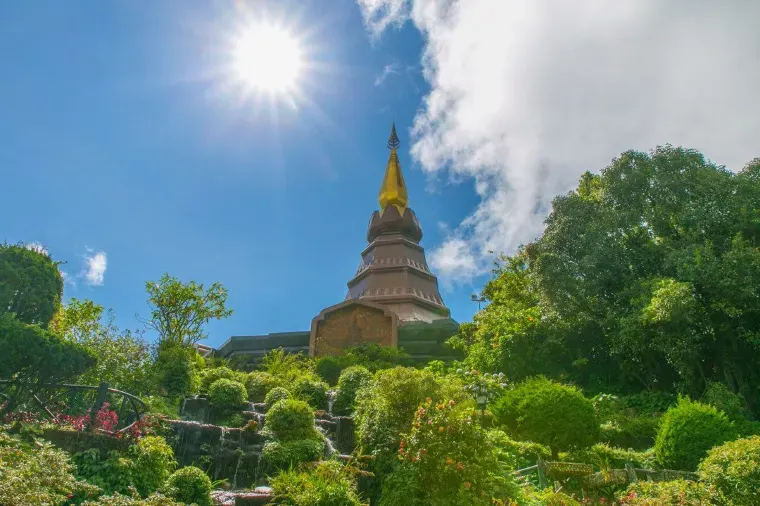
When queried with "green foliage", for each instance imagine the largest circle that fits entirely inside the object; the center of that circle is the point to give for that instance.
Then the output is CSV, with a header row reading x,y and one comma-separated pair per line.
x,y
258,384
541,410
723,399
328,484
515,454
276,394
178,311
446,455
351,380
123,358
630,431
734,470
227,395
277,455
36,474
680,492
637,272
290,419
133,500
210,375
375,357
604,456
548,497
287,367
688,430
31,286
144,467
311,391
189,485
329,368
648,402
176,371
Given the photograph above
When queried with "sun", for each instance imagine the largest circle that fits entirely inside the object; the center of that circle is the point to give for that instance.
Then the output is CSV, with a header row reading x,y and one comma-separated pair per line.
x,y
266,57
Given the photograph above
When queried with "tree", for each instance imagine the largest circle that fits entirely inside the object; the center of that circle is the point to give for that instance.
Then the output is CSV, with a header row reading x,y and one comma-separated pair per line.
x,y
31,285
178,311
123,357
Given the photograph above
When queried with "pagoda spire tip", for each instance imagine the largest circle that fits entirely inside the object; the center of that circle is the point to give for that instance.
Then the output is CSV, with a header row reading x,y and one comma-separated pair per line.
x,y
393,142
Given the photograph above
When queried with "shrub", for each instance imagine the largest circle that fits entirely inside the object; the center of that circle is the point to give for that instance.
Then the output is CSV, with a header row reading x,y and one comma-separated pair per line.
x,y
375,357
276,394
124,500
630,431
329,368
450,458
328,484
162,406
687,431
648,403
287,367
540,410
154,460
312,392
189,485
681,492
516,454
278,455
209,376
734,470
723,399
351,380
36,475
604,456
176,371
258,384
290,419
227,395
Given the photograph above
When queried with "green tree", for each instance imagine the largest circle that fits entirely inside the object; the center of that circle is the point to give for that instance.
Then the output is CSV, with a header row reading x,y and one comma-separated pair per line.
x,y
123,357
179,311
31,286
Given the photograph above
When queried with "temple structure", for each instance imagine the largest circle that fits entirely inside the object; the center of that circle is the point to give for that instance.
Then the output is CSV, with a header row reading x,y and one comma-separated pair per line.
x,y
392,300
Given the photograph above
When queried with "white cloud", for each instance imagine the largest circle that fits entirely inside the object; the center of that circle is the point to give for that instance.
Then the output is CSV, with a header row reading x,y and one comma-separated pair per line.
x,y
95,267
527,94
389,69
35,246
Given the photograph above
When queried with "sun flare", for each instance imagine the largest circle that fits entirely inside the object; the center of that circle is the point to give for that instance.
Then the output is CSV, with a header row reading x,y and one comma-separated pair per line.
x,y
267,58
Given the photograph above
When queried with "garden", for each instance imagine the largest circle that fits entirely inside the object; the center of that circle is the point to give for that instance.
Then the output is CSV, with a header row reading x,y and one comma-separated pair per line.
x,y
616,362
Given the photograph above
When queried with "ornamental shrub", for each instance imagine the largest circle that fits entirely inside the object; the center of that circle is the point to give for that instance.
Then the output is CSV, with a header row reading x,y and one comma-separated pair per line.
x,y
351,380
276,394
176,371
624,431
448,453
659,493
329,368
125,500
37,475
209,376
291,419
154,461
312,392
603,456
277,455
687,431
516,454
734,470
549,413
227,395
189,485
328,484
258,384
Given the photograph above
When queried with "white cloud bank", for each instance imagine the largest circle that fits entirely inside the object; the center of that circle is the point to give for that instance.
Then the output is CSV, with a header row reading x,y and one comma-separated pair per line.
x,y
528,94
95,268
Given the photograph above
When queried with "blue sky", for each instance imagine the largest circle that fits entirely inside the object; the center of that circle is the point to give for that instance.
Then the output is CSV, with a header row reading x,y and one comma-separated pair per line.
x,y
120,137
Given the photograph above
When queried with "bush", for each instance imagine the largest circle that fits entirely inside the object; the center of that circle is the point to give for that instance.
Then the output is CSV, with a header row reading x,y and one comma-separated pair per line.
x,y
351,380
209,376
516,454
154,460
278,455
723,399
227,395
542,411
734,470
162,406
329,368
290,419
450,458
636,432
176,371
287,367
36,475
681,492
604,456
328,484
189,485
648,403
312,392
258,384
124,500
687,431
276,394
375,357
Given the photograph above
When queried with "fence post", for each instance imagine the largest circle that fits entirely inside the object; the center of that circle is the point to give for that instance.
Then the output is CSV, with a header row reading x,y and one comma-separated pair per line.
x,y
102,392
541,468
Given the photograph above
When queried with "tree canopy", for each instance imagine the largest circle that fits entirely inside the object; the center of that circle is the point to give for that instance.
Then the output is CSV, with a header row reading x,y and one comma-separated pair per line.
x,y
31,286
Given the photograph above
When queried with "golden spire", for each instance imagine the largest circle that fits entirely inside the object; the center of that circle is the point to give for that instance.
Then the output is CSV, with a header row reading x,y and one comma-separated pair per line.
x,y
393,189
